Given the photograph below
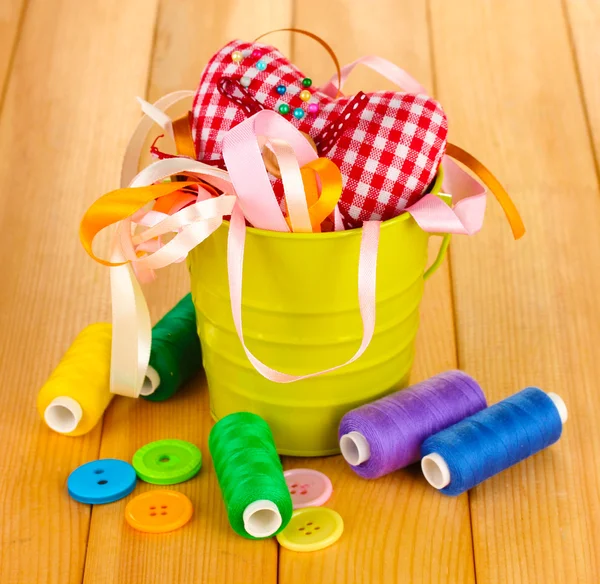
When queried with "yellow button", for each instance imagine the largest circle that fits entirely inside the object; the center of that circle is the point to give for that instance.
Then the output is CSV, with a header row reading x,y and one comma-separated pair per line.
x,y
158,511
311,529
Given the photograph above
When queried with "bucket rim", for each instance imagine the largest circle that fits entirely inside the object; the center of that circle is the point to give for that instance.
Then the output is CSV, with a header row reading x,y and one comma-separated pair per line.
x,y
435,189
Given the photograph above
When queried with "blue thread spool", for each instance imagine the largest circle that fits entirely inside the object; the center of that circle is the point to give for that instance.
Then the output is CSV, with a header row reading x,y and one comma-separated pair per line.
x,y
480,446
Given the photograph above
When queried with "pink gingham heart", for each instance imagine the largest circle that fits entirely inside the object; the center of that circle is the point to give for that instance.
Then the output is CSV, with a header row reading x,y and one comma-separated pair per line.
x,y
388,150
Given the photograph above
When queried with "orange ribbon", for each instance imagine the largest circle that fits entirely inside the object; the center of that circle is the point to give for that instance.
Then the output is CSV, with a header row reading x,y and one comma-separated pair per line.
x,y
320,205
183,136
490,181
117,206
321,42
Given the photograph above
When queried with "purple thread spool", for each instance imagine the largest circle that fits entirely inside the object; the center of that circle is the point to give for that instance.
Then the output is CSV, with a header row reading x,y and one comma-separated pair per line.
x,y
386,435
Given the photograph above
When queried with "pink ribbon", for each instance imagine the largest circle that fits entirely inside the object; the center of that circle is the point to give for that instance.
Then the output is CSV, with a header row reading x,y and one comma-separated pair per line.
x,y
367,279
430,212
466,215
242,151
194,219
380,65
191,220
248,194
243,157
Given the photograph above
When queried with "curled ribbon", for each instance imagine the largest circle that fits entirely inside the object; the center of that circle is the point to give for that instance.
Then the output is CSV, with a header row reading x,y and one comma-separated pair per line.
x,y
188,212
183,136
145,212
511,212
242,152
117,206
321,205
468,196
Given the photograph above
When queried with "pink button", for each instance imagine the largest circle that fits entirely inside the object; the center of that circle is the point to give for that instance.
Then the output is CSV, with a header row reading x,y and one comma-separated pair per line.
x,y
309,488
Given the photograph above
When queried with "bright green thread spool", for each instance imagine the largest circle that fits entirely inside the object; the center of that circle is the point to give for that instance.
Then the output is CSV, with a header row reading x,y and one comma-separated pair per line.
x,y
250,475
175,355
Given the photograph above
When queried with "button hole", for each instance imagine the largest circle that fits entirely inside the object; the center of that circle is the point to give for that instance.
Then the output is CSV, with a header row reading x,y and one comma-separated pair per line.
x,y
163,513
102,482
98,471
293,492
152,514
294,486
308,533
301,529
153,507
164,458
303,492
163,506
309,523
316,528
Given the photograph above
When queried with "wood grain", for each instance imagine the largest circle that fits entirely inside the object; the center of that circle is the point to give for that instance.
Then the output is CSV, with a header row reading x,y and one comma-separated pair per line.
x,y
207,550
397,529
528,312
520,85
11,13
583,19
61,136
189,33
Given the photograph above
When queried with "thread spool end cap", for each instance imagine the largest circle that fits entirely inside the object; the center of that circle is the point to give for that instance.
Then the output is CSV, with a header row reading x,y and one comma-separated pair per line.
x,y
436,470
355,448
262,518
561,406
151,381
63,414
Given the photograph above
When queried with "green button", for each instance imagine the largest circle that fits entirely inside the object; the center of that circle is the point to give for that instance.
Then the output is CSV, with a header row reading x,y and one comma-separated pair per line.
x,y
167,462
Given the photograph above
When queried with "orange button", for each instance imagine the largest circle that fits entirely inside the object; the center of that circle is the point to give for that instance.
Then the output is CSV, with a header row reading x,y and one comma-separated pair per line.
x,y
159,511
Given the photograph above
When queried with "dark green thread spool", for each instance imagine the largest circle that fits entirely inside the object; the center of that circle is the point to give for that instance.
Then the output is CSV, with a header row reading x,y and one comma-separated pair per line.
x,y
175,355
250,475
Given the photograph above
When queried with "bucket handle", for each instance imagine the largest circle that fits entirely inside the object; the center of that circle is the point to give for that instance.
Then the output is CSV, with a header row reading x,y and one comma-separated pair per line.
x,y
367,278
440,256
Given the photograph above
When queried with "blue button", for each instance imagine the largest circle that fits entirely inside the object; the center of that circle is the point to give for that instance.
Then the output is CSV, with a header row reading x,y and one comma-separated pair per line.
x,y
101,481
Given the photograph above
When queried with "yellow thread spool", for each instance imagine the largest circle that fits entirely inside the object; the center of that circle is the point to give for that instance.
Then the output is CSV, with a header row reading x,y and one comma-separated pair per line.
x,y
77,393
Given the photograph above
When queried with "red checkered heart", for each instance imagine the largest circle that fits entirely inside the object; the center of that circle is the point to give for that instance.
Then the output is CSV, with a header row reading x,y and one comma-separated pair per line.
x,y
387,145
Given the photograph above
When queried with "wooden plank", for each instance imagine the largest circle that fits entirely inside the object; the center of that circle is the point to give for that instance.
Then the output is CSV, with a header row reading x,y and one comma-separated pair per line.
x,y
62,131
583,17
206,550
189,33
11,14
528,312
397,529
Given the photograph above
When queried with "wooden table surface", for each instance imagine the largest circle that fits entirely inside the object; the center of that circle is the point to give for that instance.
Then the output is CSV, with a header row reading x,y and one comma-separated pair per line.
x,y
521,86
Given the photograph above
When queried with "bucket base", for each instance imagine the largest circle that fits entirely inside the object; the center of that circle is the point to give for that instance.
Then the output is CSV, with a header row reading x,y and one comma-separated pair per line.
x,y
296,453
301,314
299,430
